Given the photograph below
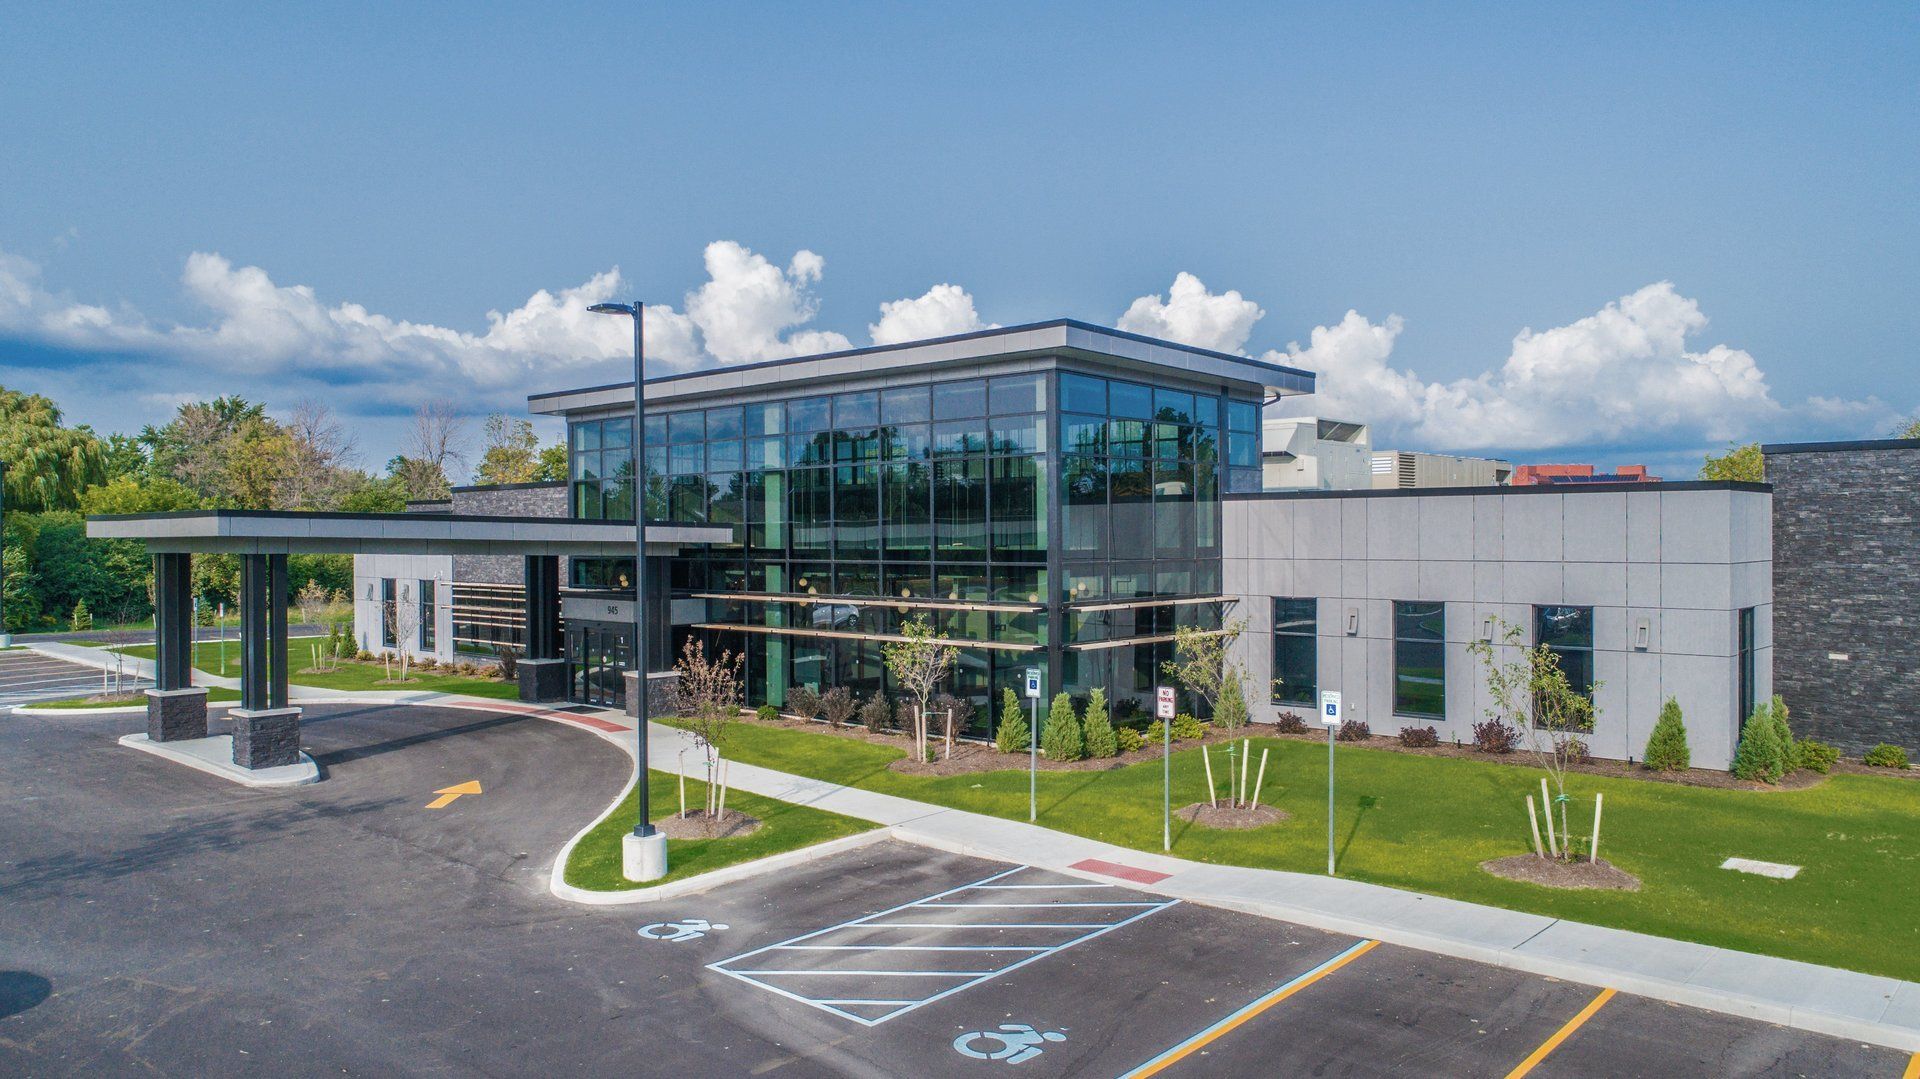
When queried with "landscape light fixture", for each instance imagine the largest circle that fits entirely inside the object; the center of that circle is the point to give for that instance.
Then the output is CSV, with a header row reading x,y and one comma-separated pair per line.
x,y
643,853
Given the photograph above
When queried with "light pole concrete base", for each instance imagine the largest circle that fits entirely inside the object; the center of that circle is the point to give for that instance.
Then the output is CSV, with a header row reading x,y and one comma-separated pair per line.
x,y
643,858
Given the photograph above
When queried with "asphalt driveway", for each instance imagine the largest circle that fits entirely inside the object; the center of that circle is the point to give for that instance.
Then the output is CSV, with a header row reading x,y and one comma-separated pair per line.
x,y
157,919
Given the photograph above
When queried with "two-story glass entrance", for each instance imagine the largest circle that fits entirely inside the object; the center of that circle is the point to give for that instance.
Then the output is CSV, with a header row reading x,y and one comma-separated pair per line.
x,y
598,655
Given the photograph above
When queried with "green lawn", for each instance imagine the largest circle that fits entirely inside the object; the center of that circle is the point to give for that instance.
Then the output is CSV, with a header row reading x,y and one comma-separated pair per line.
x,y
214,694
352,675
595,863
1425,824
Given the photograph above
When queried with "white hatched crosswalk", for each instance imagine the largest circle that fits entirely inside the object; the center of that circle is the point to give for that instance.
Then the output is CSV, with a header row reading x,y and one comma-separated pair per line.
x,y
884,965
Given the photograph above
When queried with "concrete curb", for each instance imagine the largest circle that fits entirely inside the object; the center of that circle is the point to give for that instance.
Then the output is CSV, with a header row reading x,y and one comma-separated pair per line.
x,y
114,710
702,882
292,775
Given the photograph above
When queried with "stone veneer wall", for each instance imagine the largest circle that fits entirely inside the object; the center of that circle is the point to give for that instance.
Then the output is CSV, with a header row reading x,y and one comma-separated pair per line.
x,y
1846,532
513,500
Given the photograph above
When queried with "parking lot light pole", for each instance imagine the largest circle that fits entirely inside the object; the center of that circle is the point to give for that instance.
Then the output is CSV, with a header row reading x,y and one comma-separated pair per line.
x,y
5,638
643,853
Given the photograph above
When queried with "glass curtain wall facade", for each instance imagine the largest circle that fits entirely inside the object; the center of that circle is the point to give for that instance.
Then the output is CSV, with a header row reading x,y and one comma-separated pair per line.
x,y
1140,481
857,511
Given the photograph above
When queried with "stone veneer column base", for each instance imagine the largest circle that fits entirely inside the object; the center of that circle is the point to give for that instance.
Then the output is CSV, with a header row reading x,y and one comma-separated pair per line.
x,y
266,737
663,693
174,715
542,680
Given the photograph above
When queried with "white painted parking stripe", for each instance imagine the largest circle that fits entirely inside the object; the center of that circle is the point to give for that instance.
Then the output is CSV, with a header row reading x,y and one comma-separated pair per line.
x,y
1026,905
1082,931
1048,887
911,947
835,972
980,925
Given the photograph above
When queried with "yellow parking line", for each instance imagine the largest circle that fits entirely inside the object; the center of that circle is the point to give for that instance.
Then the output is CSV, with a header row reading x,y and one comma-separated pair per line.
x,y
1206,1037
1561,1035
1913,1068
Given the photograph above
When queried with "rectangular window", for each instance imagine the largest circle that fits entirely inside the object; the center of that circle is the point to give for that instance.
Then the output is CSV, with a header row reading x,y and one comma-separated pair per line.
x,y
856,410
765,420
1082,393
1420,660
906,404
1016,393
426,616
686,427
1749,687
1130,400
723,422
1568,634
387,610
960,400
809,414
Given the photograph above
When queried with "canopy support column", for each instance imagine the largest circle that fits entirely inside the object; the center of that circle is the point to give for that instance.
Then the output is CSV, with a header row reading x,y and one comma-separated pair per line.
x,y
266,733
176,708
542,671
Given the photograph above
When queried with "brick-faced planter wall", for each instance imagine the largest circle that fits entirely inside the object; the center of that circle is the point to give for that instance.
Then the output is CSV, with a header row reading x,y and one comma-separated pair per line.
x,y
1846,587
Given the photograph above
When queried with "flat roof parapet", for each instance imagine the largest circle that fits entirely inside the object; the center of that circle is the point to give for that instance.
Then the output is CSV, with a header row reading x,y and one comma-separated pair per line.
x,y
1066,338
1533,489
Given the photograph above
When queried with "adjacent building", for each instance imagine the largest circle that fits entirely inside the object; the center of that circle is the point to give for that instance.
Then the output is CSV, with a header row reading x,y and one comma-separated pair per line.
x,y
1065,497
1531,475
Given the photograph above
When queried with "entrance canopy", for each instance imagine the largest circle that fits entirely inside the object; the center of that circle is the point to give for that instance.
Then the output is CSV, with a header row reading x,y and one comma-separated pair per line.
x,y
288,532
266,730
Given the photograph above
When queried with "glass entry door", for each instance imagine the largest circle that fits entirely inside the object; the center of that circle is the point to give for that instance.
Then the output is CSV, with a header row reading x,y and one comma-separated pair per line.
x,y
598,654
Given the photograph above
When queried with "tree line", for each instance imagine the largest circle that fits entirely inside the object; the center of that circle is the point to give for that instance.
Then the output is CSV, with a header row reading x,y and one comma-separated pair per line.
x,y
227,453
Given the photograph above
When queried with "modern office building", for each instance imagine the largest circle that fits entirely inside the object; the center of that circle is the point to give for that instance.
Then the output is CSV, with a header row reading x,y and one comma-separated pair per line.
x,y
1064,496
1846,527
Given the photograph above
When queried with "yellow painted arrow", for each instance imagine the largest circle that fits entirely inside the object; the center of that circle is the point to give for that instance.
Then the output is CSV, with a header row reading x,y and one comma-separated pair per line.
x,y
448,794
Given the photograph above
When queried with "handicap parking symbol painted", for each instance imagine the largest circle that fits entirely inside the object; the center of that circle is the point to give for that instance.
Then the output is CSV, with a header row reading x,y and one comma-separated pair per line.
x,y
683,930
1016,1042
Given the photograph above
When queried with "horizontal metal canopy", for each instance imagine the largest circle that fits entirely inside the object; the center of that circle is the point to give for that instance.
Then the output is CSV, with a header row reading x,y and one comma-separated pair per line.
x,y
286,532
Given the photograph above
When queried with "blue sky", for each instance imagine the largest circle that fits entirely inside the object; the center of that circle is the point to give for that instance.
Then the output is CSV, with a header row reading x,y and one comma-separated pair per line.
x,y
328,205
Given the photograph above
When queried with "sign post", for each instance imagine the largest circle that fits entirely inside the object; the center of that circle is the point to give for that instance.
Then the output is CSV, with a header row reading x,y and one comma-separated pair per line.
x,y
1033,744
1330,715
1163,709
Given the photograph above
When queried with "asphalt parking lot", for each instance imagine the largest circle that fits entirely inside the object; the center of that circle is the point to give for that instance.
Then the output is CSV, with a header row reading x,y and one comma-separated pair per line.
x,y
26,677
162,920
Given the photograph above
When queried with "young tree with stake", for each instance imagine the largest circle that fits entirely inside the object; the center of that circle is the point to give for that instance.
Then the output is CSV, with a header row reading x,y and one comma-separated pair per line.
x,y
918,663
1531,692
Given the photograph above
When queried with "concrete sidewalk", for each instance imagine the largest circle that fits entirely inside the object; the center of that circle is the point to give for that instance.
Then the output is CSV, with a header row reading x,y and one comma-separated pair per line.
x,y
1865,1007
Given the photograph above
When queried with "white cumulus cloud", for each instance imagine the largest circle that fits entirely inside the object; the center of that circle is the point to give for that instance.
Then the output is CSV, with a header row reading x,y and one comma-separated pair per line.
x,y
1193,316
748,303
1626,372
943,311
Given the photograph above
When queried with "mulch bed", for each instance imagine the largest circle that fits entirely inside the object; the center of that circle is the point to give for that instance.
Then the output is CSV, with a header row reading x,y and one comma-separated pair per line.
x,y
697,825
1226,816
1688,777
971,757
1553,873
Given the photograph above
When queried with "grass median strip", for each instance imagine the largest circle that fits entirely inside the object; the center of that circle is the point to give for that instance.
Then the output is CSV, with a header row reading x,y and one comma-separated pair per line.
x,y
1425,824
595,862
351,675
215,695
